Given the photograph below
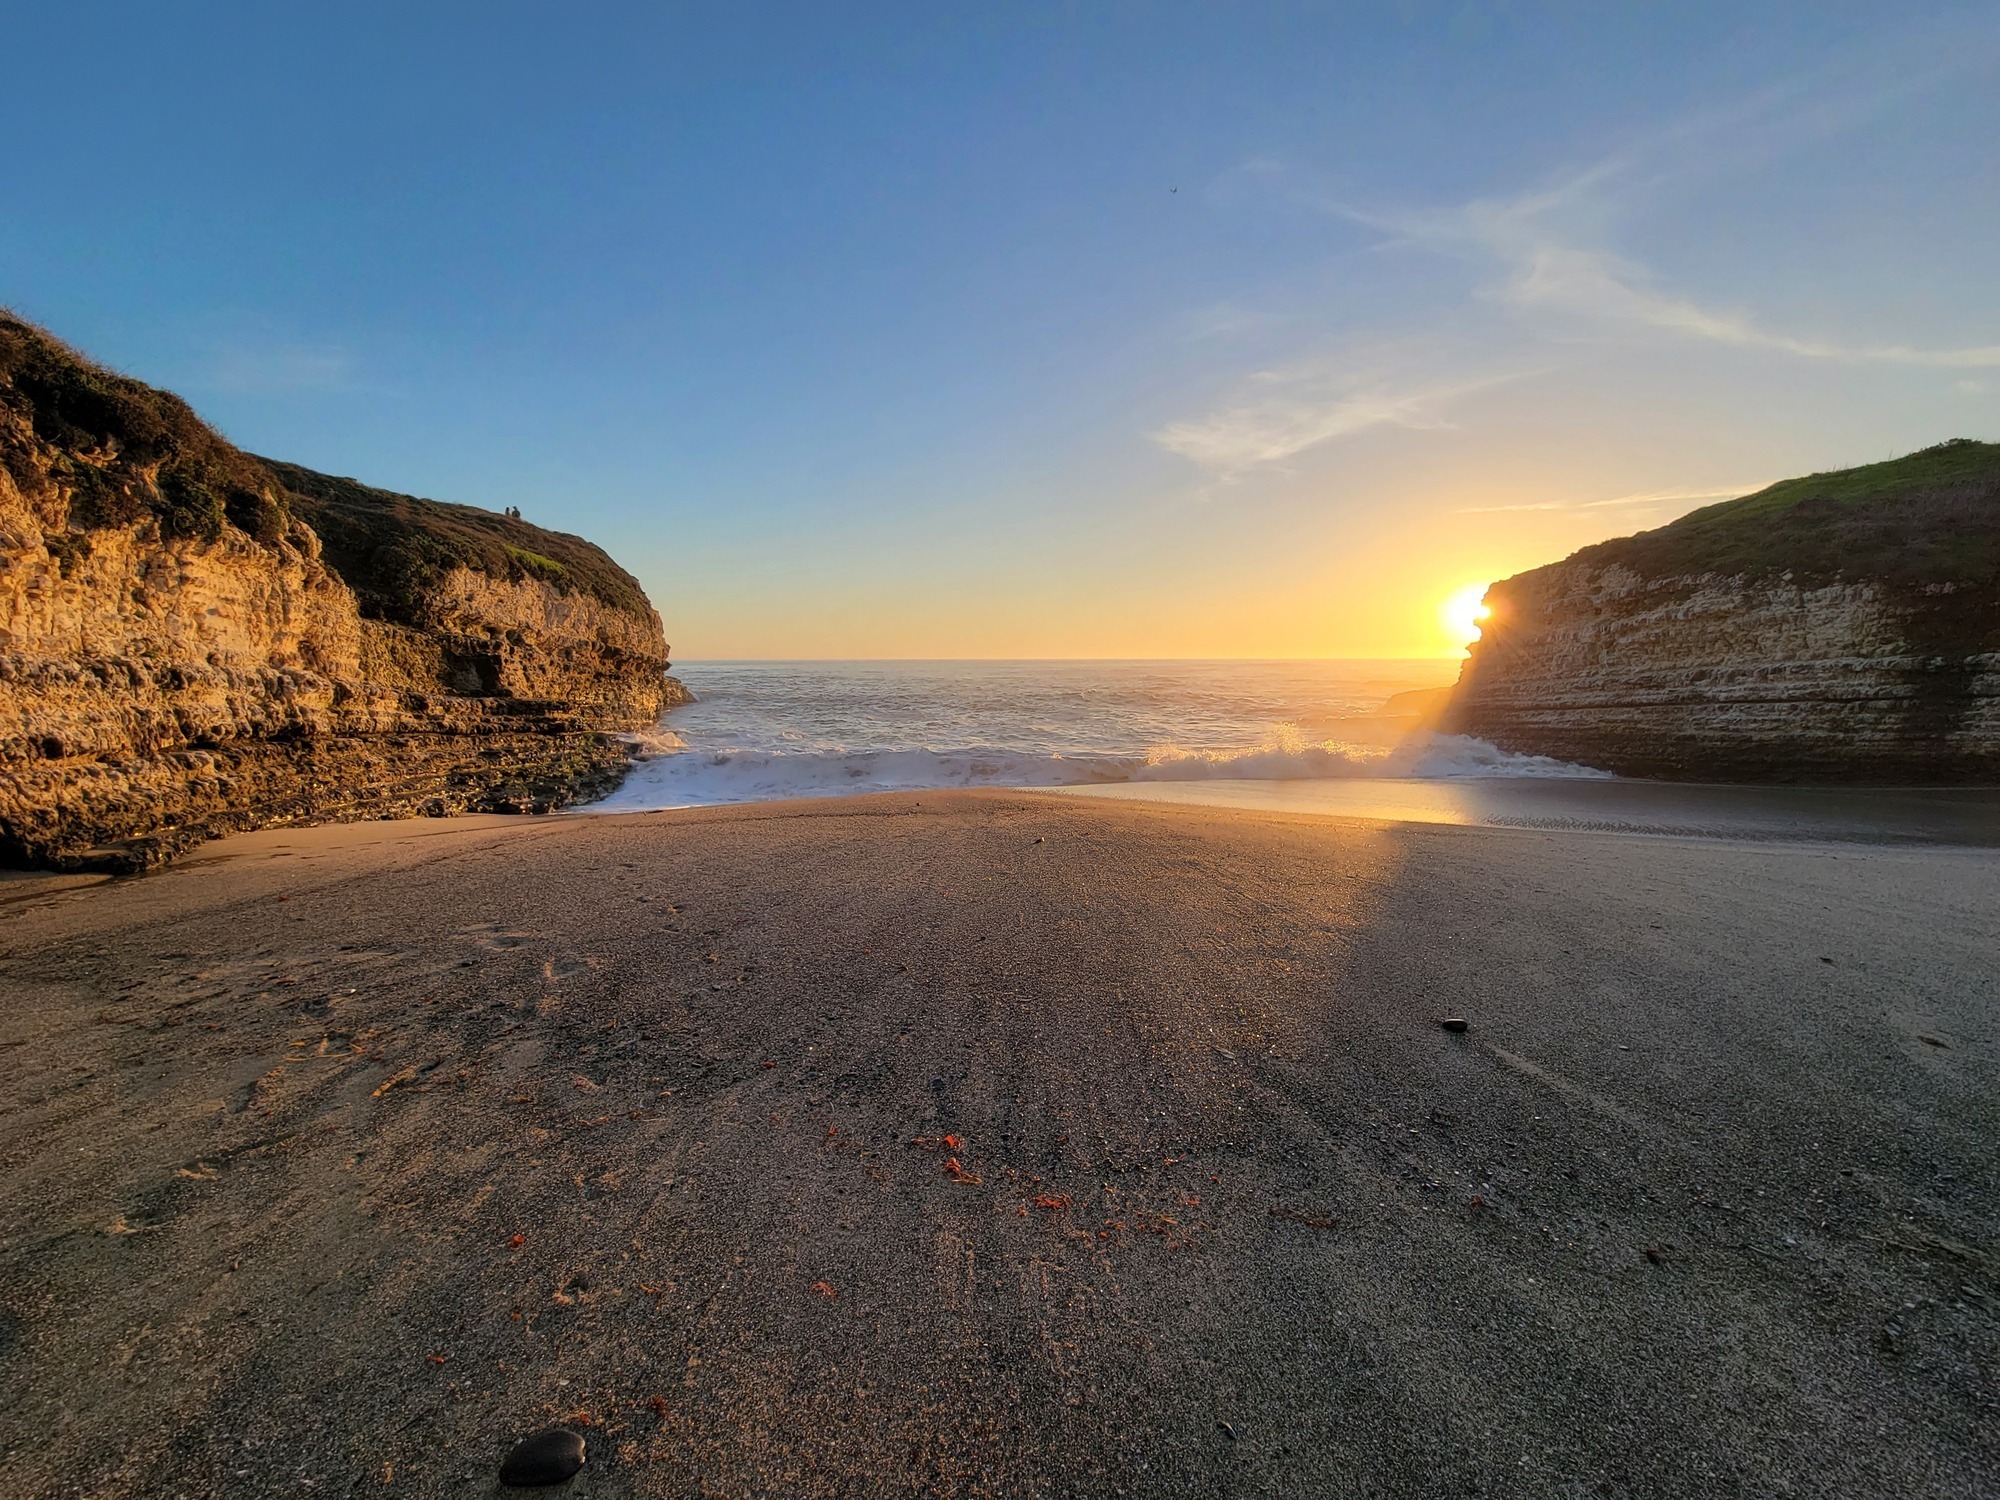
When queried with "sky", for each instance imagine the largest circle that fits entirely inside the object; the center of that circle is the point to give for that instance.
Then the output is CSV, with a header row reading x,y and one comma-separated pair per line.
x,y
1231,330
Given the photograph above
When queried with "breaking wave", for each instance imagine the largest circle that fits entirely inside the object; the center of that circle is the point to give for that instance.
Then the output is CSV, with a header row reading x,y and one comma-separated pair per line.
x,y
704,778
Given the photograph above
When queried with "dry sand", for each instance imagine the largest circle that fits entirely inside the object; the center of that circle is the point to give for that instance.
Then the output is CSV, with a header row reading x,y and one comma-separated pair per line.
x,y
331,1160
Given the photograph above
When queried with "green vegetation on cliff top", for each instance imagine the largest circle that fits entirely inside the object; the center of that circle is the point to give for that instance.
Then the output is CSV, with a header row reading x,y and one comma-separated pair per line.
x,y
1929,517
393,549
102,450
91,449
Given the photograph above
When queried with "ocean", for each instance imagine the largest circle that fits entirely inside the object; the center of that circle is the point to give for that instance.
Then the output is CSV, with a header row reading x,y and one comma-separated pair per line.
x,y
767,730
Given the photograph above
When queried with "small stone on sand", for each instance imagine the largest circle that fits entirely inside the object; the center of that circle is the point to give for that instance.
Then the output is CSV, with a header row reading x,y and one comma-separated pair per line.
x,y
1453,1023
546,1457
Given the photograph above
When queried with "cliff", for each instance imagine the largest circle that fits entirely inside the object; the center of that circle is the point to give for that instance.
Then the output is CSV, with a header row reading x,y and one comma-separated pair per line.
x,y
194,640
1840,628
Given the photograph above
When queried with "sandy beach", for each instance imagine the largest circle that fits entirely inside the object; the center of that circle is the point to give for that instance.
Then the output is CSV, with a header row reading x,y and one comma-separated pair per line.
x,y
1003,1144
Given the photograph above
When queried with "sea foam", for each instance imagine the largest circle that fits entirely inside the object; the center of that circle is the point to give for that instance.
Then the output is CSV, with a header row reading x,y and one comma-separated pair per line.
x,y
772,731
690,778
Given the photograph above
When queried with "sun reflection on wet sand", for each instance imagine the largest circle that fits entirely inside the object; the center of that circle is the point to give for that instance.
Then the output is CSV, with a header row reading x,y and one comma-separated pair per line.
x,y
1969,817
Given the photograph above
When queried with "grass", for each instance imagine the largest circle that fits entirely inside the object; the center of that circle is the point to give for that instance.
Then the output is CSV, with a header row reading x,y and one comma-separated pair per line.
x,y
123,450
393,549
535,565
1931,517
94,450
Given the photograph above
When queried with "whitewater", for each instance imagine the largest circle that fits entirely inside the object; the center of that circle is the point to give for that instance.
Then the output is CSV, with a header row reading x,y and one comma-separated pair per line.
x,y
764,731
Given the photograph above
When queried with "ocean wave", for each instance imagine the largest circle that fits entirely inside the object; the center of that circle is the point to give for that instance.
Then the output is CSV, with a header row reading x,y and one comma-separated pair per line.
x,y
648,743
706,778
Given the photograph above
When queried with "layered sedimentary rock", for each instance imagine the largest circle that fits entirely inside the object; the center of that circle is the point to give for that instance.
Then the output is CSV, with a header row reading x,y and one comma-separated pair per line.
x,y
194,640
1841,628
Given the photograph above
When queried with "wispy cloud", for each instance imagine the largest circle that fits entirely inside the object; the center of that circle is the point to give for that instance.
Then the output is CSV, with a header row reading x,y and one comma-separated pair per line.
x,y
1543,258
1281,413
248,370
1546,243
1546,273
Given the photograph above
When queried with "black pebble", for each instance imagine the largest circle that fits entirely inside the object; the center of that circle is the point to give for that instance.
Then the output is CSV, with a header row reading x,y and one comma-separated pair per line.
x,y
1453,1023
546,1457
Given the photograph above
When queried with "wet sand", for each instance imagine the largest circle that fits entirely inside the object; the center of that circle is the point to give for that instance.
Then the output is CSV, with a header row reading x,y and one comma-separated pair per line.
x,y
1969,817
331,1160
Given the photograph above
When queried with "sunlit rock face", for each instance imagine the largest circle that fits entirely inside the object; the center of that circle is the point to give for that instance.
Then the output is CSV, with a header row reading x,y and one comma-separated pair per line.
x,y
1846,629
181,655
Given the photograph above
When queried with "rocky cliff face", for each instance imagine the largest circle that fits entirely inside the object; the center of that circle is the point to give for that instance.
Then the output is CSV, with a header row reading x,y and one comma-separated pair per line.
x,y
181,654
1843,628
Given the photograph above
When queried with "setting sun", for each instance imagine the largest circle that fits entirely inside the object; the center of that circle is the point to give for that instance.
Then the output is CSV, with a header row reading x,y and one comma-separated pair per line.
x,y
1463,611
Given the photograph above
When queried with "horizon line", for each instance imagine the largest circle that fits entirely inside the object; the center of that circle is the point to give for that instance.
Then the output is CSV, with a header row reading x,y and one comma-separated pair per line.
x,y
929,660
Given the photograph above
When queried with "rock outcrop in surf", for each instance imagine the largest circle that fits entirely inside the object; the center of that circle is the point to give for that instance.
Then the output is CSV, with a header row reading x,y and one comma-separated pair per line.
x,y
1840,628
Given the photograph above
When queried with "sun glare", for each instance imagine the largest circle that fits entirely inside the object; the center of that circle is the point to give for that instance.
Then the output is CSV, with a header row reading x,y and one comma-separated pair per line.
x,y
1462,613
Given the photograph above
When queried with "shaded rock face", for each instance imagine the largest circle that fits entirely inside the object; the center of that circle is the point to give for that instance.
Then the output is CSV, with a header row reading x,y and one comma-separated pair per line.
x,y
178,658
1721,679
1885,672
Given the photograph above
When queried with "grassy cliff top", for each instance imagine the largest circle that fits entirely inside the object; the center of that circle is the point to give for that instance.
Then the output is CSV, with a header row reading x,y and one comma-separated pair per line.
x,y
92,449
392,549
1929,517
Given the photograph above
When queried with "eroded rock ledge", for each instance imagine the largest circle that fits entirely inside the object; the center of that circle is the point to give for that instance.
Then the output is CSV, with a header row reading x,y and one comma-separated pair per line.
x,y
1841,628
195,641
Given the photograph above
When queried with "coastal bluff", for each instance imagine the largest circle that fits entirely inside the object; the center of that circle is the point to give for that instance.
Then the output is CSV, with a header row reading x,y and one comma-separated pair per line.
x,y
1842,628
195,640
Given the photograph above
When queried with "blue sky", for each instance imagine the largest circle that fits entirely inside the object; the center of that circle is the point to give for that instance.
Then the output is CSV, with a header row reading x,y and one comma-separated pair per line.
x,y
1041,330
